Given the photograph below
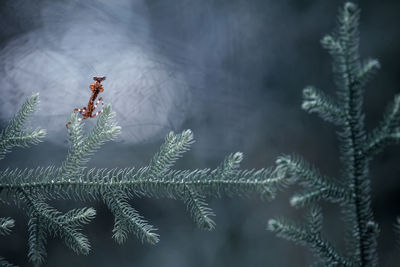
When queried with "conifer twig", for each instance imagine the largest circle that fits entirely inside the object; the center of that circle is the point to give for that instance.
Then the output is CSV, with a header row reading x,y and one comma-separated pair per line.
x,y
32,188
352,191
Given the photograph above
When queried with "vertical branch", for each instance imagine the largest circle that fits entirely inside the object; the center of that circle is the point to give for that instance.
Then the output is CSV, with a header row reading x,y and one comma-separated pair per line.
x,y
357,163
344,47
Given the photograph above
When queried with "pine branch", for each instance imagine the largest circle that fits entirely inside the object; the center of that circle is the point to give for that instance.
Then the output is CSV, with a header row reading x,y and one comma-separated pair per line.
x,y
171,150
343,45
319,187
309,196
37,241
85,146
127,219
317,102
303,236
5,225
33,187
367,71
353,194
78,217
4,263
5,228
45,218
388,131
198,209
16,134
397,231
314,219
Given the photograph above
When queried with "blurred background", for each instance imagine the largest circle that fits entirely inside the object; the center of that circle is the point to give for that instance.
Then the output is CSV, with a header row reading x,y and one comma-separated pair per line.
x,y
232,72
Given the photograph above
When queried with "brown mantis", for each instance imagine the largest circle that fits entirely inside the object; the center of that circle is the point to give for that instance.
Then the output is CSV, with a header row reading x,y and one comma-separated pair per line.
x,y
87,112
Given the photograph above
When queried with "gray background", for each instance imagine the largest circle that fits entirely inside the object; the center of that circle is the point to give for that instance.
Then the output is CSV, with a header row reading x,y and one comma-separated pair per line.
x,y
232,72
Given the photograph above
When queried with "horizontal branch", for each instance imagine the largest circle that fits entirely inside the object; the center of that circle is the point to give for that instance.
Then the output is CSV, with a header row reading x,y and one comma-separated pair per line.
x,y
95,181
310,196
317,186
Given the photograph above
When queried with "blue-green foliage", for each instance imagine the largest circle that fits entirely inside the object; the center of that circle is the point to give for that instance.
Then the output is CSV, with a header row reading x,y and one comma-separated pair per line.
x,y
15,134
352,190
33,188
5,228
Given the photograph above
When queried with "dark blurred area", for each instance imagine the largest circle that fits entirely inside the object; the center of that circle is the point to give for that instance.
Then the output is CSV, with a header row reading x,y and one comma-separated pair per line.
x,y
233,73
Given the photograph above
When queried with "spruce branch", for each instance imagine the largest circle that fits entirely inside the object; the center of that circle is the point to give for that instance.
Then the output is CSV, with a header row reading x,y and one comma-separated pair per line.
x,y
387,132
316,101
45,219
368,70
83,147
347,68
37,241
5,263
117,186
171,150
309,196
78,217
5,225
198,209
127,220
314,219
263,182
318,186
348,36
5,228
397,231
16,134
303,236
352,193
343,44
